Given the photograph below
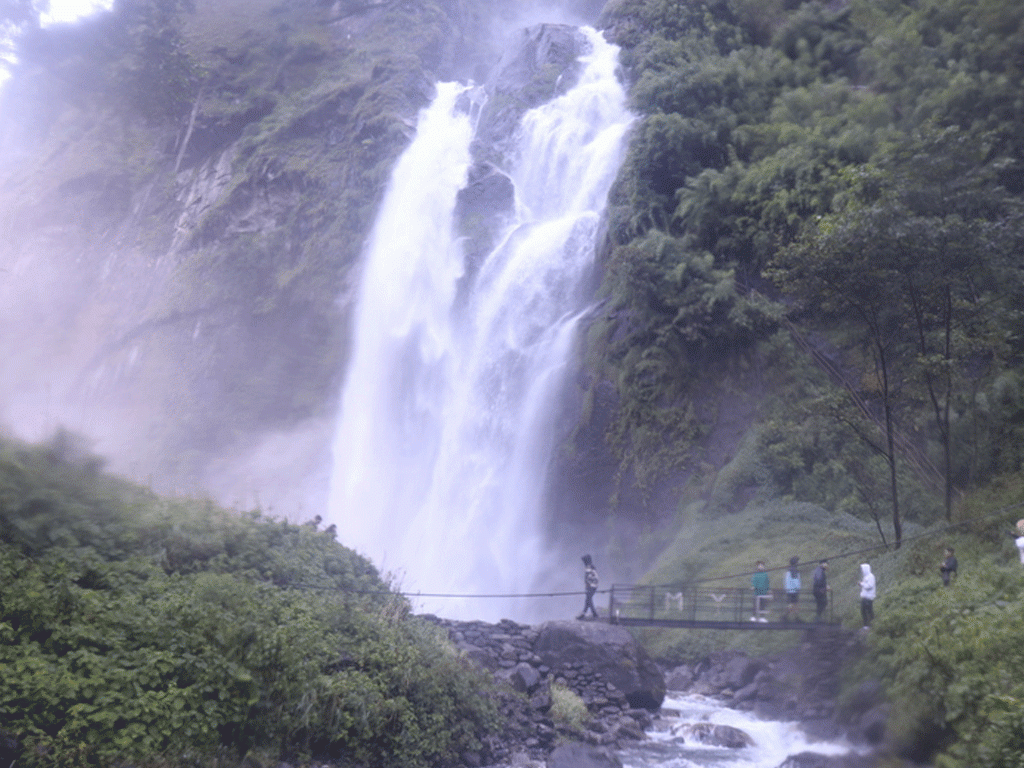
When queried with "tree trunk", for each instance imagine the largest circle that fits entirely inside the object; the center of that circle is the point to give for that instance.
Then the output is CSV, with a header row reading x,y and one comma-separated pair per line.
x,y
890,442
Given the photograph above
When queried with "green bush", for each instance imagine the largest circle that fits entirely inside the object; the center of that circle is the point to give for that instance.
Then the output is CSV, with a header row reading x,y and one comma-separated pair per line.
x,y
567,708
952,660
151,630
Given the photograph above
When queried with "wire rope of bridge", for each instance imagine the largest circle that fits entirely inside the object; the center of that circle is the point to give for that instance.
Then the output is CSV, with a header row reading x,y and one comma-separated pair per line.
x,y
739,575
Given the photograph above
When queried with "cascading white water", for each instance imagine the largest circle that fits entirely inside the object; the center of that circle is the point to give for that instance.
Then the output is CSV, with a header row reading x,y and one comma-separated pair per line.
x,y
447,414
771,742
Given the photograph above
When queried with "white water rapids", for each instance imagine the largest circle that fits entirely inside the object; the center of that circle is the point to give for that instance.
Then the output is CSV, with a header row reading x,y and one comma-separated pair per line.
x,y
451,397
772,741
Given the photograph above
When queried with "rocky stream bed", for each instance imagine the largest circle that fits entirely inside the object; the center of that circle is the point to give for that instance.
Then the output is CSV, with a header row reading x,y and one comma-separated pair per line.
x,y
624,689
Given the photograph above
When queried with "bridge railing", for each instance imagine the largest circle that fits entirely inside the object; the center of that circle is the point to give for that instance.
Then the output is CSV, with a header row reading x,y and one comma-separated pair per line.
x,y
701,604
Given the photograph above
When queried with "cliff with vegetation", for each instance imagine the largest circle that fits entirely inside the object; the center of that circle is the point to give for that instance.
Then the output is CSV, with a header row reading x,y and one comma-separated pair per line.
x,y
813,274
809,282
186,191
806,334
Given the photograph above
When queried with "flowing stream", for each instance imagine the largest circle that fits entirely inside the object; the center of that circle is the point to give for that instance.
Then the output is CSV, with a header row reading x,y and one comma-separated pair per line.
x,y
449,408
772,742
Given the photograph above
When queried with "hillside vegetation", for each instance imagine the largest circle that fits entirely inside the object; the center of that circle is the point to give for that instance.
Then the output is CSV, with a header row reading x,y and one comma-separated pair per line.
x,y
812,325
812,245
948,658
172,632
821,213
809,332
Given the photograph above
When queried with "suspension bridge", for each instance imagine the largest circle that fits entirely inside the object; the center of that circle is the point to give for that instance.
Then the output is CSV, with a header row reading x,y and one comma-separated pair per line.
x,y
635,605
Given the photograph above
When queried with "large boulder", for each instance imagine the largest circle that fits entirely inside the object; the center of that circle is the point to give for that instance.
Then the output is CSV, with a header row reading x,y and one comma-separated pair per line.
x,y
679,678
607,651
740,671
714,735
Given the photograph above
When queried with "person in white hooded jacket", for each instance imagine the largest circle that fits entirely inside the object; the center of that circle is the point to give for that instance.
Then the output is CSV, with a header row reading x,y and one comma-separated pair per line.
x,y
867,594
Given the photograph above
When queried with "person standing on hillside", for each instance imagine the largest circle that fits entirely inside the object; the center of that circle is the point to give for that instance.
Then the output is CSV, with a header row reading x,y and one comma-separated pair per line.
x,y
867,595
792,584
1018,539
761,584
819,588
590,582
948,567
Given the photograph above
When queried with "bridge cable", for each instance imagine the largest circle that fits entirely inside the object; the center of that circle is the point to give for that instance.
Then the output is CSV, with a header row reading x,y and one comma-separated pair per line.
x,y
840,556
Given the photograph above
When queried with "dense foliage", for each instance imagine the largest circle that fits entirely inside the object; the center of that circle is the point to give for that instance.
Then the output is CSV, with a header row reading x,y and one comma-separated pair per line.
x,y
949,658
826,198
146,629
953,657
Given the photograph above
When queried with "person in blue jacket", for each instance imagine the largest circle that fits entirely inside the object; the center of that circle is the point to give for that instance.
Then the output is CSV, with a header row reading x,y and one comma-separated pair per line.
x,y
791,582
948,567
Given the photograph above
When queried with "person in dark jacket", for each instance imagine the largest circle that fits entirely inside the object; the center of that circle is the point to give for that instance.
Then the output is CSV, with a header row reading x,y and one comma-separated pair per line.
x,y
948,567
590,582
819,587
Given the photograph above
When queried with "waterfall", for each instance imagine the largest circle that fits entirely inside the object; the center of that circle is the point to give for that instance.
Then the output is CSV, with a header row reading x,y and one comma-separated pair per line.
x,y
448,411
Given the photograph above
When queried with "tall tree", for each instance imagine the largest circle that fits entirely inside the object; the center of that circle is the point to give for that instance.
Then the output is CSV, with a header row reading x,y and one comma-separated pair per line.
x,y
957,234
846,273
913,258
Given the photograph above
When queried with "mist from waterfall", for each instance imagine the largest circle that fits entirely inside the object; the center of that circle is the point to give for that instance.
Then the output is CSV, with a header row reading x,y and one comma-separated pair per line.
x,y
452,394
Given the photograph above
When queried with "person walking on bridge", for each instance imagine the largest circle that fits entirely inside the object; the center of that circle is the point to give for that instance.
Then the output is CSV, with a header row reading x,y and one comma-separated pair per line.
x,y
590,582
761,584
792,584
819,588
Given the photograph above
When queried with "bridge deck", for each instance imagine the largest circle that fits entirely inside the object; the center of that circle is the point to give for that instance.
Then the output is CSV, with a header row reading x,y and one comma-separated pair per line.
x,y
718,608
712,624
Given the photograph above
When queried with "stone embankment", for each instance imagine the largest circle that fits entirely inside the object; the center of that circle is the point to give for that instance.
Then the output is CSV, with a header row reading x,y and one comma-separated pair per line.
x,y
620,685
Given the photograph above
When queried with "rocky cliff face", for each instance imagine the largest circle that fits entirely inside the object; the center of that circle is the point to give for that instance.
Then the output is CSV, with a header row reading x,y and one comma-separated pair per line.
x,y
179,291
